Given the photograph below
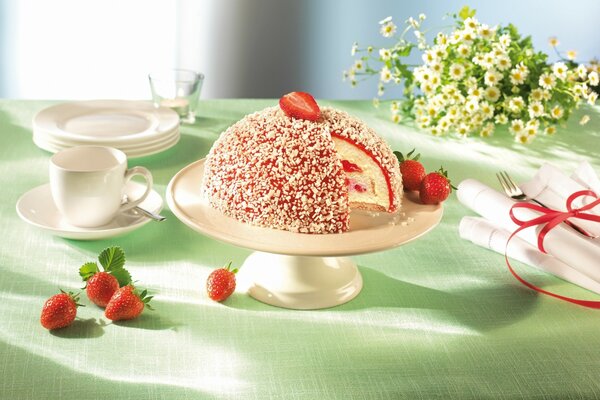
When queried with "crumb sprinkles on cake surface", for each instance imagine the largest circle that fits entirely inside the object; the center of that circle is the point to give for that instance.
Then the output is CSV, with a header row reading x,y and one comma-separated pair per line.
x,y
271,170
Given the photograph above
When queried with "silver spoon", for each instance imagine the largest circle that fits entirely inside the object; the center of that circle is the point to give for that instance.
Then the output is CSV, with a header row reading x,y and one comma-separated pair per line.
x,y
145,212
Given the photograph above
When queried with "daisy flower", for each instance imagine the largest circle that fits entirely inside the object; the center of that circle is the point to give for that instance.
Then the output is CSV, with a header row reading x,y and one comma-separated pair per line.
x,y
516,126
536,94
492,77
516,104
470,82
560,70
457,71
359,65
503,63
436,68
580,89
593,78
468,36
463,50
524,138
504,40
501,119
553,41
388,28
471,23
584,120
396,118
475,91
571,54
472,105
531,127
581,71
487,130
441,38
354,49
550,130
385,75
557,112
517,77
535,109
592,97
385,54
547,81
429,57
486,110
463,129
492,94
486,32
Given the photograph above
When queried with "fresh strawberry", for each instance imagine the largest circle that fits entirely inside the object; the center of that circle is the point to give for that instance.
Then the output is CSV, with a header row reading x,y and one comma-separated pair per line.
x,y
300,105
411,169
101,285
59,310
221,283
127,303
435,187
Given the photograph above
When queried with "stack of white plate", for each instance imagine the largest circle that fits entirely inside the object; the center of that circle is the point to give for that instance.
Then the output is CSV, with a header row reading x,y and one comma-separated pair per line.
x,y
135,127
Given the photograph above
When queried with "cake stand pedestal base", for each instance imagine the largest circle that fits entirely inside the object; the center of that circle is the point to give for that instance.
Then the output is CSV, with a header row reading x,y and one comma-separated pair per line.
x,y
300,282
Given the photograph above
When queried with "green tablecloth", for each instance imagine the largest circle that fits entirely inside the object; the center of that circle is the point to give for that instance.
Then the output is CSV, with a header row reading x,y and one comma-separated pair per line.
x,y
437,318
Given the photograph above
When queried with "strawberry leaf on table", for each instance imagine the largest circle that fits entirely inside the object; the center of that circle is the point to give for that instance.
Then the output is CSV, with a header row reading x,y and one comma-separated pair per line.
x,y
112,258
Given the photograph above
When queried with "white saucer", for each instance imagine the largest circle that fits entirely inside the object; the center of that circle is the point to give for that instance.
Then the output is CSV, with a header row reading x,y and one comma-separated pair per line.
x,y
136,127
106,121
53,146
37,208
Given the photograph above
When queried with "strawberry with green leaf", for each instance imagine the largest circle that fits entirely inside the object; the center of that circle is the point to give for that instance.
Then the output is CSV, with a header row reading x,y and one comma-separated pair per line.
x,y
101,285
60,310
127,303
411,169
221,283
435,187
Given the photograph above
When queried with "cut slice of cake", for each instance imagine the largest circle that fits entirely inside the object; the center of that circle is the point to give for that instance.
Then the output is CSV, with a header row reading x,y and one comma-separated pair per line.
x,y
301,174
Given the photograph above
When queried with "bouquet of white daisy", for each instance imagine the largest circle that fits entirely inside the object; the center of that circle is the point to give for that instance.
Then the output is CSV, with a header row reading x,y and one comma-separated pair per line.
x,y
475,78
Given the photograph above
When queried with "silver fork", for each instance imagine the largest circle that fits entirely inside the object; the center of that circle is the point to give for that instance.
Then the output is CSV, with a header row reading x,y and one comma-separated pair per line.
x,y
513,191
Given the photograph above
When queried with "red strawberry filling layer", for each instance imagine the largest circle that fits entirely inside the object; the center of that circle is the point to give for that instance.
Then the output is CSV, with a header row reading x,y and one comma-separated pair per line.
x,y
348,166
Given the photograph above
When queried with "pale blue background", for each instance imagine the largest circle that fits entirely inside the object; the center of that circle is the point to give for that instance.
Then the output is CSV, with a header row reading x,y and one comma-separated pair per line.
x,y
263,48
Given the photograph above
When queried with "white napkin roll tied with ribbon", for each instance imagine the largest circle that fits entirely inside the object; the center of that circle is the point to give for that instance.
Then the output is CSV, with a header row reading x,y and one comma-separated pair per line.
x,y
552,187
562,242
491,236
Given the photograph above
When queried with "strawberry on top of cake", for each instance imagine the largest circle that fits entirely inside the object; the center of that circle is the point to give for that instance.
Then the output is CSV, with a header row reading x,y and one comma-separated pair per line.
x,y
301,168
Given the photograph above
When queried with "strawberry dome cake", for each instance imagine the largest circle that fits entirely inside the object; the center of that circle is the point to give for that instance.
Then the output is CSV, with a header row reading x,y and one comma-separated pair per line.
x,y
301,168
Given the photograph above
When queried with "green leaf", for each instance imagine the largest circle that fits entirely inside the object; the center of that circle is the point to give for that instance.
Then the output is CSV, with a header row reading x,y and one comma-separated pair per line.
x,y
87,270
466,12
122,276
112,258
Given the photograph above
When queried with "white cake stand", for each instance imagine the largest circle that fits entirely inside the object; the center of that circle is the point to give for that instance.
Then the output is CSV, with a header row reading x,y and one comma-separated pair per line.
x,y
295,270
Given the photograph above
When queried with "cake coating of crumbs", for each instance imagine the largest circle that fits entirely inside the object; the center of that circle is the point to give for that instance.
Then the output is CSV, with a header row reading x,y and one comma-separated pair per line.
x,y
275,171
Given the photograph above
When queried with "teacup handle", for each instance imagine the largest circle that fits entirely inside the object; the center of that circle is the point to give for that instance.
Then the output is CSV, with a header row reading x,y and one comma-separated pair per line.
x,y
130,173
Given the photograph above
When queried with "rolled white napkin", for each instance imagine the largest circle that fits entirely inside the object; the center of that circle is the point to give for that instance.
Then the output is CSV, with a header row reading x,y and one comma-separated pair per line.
x,y
551,187
586,176
562,242
491,236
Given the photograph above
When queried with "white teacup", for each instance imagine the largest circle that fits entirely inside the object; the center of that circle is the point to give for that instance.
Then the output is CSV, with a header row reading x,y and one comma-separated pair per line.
x,y
87,184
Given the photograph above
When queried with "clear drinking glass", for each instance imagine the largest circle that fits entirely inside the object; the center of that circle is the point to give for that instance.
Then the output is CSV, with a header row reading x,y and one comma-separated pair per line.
x,y
178,89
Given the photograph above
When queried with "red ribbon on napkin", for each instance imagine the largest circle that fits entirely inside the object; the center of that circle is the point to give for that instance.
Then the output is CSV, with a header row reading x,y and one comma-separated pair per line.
x,y
550,219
